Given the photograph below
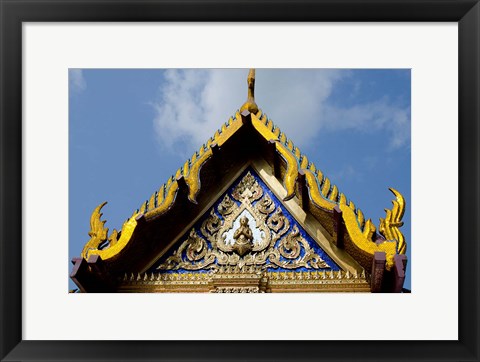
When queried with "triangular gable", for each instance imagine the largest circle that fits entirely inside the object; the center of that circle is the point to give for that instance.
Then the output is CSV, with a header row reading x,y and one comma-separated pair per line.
x,y
247,227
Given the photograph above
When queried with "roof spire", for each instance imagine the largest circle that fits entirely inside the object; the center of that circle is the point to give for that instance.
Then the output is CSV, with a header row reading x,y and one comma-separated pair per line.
x,y
250,104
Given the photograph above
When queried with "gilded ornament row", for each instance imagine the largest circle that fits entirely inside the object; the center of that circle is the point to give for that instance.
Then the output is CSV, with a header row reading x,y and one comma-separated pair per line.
x,y
237,290
272,277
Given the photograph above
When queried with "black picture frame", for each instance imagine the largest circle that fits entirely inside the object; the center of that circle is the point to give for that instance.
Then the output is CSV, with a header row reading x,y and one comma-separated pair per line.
x,y
14,13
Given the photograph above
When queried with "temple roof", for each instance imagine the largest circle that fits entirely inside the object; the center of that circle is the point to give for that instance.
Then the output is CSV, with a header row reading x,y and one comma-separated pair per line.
x,y
248,136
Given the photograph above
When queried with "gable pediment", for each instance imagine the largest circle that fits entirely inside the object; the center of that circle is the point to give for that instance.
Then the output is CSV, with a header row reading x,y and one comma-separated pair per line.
x,y
247,226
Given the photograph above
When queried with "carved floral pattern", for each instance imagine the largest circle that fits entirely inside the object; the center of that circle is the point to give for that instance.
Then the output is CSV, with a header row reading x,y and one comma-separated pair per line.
x,y
277,243
248,188
266,205
227,206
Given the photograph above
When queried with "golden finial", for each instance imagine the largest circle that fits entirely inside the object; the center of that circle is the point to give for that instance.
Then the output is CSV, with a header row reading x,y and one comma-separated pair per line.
x,y
250,104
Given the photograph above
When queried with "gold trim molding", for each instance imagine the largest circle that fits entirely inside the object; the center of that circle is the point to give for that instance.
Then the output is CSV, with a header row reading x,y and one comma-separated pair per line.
x,y
235,280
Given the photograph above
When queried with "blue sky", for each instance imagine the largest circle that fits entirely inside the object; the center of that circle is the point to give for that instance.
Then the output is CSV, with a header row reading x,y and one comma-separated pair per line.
x,y
129,130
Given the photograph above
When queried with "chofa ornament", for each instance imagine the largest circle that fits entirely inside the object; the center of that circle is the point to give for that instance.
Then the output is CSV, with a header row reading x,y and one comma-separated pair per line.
x,y
247,233
389,227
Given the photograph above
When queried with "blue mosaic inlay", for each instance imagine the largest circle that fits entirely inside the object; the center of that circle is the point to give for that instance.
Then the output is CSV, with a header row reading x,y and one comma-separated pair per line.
x,y
200,247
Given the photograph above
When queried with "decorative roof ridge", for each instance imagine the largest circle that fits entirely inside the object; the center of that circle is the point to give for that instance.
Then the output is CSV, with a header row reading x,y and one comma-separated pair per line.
x,y
321,191
328,191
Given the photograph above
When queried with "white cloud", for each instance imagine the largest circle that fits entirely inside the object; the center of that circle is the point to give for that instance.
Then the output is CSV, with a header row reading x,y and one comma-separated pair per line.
x,y
194,103
345,173
77,80
370,117
296,99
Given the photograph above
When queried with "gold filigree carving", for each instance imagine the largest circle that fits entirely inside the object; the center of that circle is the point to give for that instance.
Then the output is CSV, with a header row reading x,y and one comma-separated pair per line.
x,y
248,188
265,205
226,206
290,246
243,238
211,225
245,209
195,249
278,222
249,236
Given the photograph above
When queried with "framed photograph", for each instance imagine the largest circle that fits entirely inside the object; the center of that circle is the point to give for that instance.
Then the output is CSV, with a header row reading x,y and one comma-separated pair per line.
x,y
261,234
102,101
